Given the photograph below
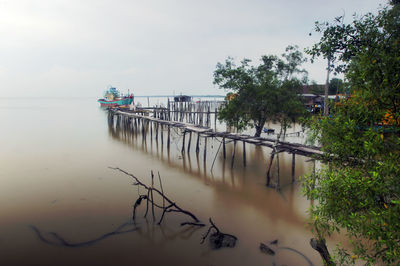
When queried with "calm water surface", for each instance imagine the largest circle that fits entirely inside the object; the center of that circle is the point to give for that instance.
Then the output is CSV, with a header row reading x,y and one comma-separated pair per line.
x,y
54,176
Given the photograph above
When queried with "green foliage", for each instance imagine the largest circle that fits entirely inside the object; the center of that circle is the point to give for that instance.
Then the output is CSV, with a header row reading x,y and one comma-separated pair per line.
x,y
359,189
336,86
267,91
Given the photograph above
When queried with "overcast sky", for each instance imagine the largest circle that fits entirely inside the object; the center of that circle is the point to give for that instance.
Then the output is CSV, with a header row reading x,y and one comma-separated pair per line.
x,y
72,48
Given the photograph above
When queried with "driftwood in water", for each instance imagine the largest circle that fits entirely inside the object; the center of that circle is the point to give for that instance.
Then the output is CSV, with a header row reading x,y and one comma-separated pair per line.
x,y
218,239
167,206
265,249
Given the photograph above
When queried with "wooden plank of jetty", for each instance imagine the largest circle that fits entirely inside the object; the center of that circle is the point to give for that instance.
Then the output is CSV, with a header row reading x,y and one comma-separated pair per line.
x,y
282,146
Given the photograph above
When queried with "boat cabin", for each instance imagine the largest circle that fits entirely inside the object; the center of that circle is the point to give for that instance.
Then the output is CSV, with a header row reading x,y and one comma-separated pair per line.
x,y
182,98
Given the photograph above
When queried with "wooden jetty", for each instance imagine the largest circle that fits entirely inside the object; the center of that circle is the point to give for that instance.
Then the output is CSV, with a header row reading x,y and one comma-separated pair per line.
x,y
165,118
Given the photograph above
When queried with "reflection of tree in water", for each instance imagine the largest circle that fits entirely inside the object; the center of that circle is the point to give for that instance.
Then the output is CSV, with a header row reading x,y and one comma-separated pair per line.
x,y
55,239
147,231
231,180
239,183
150,231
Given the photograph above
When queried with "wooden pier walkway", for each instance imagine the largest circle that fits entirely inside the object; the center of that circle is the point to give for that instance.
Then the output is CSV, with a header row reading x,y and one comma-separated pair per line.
x,y
281,146
140,120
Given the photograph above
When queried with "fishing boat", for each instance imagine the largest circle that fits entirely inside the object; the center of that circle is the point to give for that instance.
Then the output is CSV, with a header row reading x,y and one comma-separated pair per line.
x,y
113,98
269,130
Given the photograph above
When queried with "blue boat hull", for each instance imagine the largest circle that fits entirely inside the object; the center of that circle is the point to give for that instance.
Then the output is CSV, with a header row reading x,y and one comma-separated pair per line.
x,y
106,103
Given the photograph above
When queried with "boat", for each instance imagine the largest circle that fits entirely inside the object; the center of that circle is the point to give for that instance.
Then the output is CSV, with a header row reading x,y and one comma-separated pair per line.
x,y
113,98
269,130
183,98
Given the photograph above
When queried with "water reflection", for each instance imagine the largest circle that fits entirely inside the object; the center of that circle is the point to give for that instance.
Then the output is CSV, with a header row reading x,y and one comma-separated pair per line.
x,y
211,165
231,180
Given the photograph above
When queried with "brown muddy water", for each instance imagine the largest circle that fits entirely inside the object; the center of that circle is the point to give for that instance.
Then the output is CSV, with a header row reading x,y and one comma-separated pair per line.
x,y
56,186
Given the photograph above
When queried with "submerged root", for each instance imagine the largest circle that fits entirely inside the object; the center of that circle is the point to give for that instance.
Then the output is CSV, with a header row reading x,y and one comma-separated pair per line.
x,y
218,239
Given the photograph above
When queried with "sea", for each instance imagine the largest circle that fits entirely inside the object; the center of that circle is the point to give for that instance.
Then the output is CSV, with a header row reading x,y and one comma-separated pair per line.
x,y
62,202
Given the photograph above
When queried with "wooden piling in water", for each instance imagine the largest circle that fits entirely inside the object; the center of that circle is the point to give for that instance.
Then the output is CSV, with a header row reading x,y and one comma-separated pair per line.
x,y
131,122
215,119
190,140
197,143
183,141
244,153
157,126
269,167
162,135
233,154
223,147
278,182
205,149
293,166
169,133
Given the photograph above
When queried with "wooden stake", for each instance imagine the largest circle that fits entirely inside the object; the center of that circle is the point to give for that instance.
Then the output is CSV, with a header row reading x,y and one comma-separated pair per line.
x,y
156,132
293,166
278,183
162,135
223,147
197,143
269,167
190,140
205,148
233,154
168,140
183,141
244,153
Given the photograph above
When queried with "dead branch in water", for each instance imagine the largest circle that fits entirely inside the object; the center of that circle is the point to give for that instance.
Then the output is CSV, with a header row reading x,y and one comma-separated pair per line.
x,y
171,206
219,239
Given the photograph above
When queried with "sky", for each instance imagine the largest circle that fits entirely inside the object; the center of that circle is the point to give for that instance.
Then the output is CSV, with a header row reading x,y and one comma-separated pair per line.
x,y
77,48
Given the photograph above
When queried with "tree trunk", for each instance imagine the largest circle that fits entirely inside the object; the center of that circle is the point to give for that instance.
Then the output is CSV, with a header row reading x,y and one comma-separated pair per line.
x,y
258,131
320,246
259,128
326,102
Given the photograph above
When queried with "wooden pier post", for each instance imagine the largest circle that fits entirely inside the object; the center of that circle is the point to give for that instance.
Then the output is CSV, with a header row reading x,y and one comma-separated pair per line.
x,y
151,129
156,131
169,111
244,153
169,133
190,140
205,148
162,135
278,182
145,128
223,147
197,143
293,166
269,167
183,141
215,119
233,154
